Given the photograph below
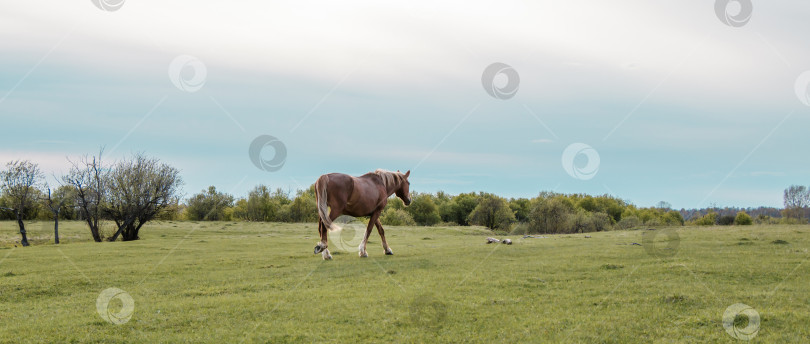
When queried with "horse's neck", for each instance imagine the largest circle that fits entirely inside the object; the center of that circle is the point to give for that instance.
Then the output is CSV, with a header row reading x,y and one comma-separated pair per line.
x,y
390,189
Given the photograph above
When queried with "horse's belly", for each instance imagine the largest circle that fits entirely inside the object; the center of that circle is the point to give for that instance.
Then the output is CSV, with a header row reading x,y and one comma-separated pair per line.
x,y
357,212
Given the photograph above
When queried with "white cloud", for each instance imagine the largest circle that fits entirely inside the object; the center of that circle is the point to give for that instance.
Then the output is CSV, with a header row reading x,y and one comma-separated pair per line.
x,y
419,42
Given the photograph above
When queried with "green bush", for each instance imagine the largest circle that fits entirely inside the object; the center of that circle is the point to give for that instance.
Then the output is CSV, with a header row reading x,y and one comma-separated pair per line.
x,y
743,219
673,218
396,217
579,222
423,210
629,222
521,208
725,220
303,209
492,212
459,208
601,222
209,205
551,215
706,220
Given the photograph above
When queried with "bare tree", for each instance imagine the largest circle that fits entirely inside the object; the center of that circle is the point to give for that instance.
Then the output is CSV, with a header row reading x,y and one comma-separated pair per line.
x,y
797,199
55,201
138,190
19,181
87,178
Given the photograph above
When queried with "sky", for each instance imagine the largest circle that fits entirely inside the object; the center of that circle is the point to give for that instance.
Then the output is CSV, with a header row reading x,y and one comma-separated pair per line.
x,y
695,103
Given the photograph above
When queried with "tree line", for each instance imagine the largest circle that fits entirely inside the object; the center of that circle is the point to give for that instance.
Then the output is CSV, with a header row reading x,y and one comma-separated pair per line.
x,y
138,189
549,212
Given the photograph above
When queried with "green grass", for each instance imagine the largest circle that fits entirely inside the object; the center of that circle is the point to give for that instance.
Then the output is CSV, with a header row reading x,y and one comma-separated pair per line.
x,y
227,282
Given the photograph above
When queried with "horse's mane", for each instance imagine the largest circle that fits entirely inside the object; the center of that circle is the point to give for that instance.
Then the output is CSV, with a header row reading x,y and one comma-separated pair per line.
x,y
390,178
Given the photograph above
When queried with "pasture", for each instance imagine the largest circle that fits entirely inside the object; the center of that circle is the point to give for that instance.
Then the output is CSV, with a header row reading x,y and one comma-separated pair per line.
x,y
260,282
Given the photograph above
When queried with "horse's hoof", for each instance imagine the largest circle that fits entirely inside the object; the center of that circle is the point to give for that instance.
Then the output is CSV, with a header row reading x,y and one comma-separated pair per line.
x,y
389,253
363,255
318,249
329,257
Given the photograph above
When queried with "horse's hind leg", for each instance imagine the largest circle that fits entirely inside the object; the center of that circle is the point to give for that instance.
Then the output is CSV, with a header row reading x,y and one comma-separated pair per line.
x,y
382,236
321,247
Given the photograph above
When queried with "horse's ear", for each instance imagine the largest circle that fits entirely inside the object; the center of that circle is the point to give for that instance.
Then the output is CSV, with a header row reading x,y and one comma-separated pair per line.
x,y
407,173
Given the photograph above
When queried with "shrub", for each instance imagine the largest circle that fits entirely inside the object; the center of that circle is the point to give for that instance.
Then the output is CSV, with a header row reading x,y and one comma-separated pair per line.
x,y
396,217
209,205
725,220
706,220
601,221
303,209
766,220
492,212
743,219
459,208
520,207
629,222
673,218
579,222
551,215
423,210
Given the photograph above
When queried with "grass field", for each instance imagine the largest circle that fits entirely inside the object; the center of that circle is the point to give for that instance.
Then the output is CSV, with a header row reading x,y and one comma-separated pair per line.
x,y
229,282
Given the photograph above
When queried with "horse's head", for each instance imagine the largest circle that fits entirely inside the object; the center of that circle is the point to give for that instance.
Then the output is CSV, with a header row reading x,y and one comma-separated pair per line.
x,y
403,192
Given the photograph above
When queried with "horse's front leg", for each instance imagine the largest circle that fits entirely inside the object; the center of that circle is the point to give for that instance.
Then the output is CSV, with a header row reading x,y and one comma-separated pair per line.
x,y
371,222
380,230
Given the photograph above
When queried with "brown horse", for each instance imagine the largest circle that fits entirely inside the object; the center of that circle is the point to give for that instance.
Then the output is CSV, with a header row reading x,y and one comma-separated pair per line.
x,y
366,195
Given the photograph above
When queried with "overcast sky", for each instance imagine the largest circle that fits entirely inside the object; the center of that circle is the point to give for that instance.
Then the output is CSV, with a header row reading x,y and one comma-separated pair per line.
x,y
644,100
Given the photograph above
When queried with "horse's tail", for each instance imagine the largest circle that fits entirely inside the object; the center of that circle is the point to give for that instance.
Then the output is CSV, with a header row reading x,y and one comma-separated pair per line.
x,y
320,195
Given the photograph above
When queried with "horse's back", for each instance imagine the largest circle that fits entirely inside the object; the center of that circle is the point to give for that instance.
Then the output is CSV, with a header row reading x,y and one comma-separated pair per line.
x,y
339,185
